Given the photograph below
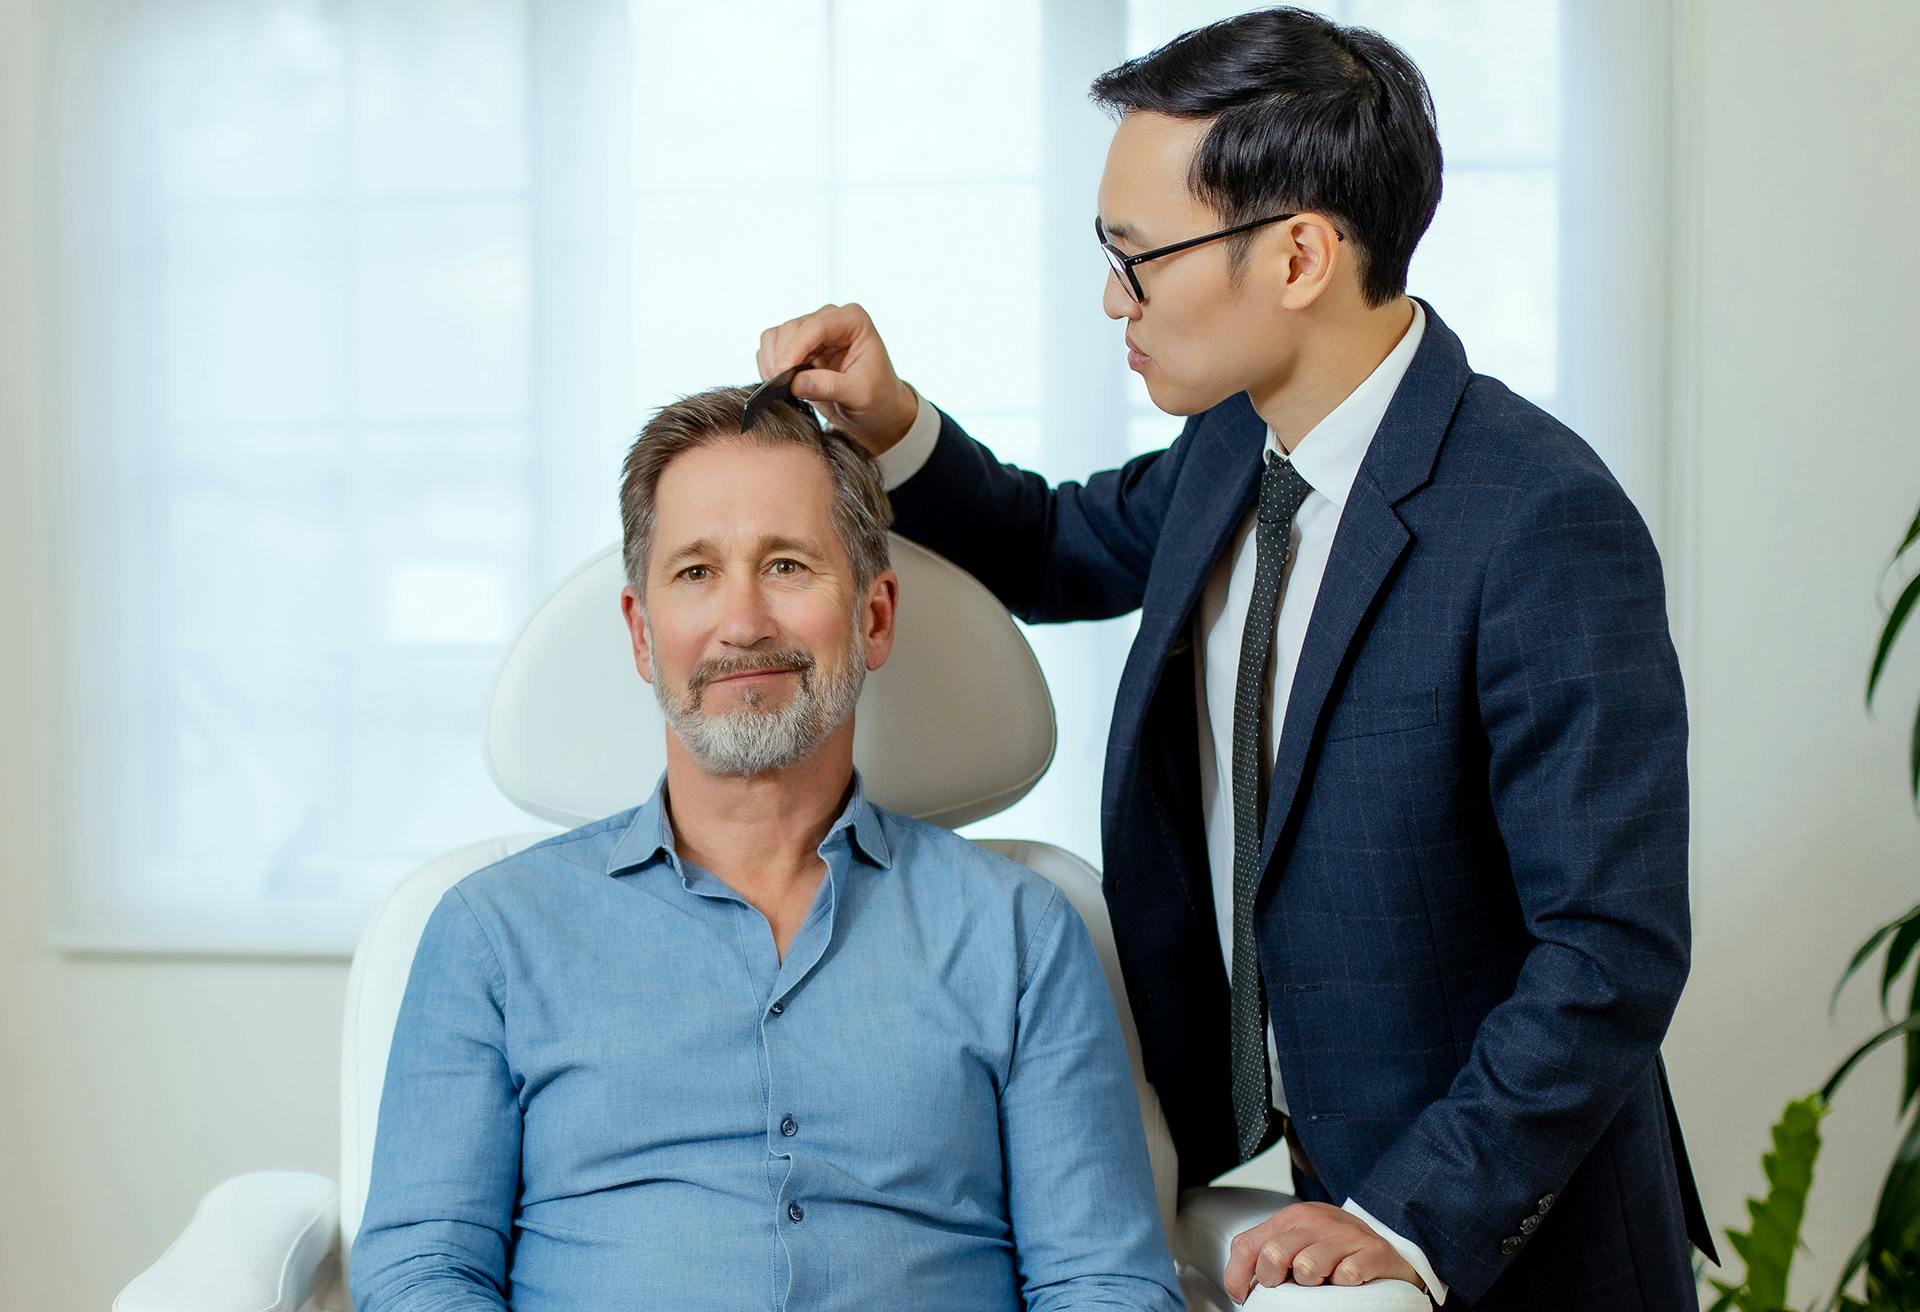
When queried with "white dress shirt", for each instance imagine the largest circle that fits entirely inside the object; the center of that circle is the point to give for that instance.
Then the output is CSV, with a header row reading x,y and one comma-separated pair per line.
x,y
1328,457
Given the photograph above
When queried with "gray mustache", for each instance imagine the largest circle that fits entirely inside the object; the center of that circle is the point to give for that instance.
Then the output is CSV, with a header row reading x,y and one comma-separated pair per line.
x,y
707,671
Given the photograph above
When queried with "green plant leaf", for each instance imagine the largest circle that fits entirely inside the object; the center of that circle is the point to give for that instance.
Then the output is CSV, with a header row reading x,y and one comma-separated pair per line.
x,y
1855,1260
1895,619
1896,1219
1913,765
1845,1068
1913,536
1910,1084
1898,953
1773,1235
1893,1281
1866,950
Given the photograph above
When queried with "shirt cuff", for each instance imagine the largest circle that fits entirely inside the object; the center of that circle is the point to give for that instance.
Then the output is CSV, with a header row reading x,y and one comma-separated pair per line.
x,y
1436,1287
904,458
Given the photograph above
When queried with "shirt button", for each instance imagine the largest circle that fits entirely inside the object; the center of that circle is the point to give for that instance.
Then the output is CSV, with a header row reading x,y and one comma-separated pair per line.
x,y
796,1213
777,1008
790,1127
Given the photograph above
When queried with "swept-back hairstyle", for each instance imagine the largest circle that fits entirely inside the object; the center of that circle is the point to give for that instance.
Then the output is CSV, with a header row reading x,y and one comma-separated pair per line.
x,y
861,513
1306,115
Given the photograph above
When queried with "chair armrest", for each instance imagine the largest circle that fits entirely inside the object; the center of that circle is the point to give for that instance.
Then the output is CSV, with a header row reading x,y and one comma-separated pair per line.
x,y
1204,1229
1208,1219
254,1244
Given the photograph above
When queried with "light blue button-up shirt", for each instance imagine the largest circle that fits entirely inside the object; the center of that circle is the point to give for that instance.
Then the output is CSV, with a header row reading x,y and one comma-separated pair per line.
x,y
608,1091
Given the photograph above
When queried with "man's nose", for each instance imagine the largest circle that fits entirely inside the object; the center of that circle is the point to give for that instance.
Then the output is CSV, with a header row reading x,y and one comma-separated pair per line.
x,y
746,620
1115,301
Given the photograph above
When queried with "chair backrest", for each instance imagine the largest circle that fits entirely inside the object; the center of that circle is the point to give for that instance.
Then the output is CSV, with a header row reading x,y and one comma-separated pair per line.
x,y
956,727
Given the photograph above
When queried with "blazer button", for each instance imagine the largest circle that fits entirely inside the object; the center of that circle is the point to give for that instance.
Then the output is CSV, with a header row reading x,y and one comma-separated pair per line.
x,y
1546,1201
1529,1225
1510,1245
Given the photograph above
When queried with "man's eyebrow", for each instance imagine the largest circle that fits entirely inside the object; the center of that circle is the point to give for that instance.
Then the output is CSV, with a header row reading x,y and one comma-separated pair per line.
x,y
697,547
1123,232
805,546
772,542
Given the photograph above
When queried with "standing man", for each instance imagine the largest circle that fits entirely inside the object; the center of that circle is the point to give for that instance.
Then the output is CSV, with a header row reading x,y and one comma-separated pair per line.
x,y
1395,810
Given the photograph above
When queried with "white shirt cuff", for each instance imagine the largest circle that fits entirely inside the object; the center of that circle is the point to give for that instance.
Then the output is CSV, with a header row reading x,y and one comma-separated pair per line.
x,y
1436,1287
904,458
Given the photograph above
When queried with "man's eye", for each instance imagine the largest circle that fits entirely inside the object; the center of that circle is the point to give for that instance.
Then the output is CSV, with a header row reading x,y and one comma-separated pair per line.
x,y
786,568
695,572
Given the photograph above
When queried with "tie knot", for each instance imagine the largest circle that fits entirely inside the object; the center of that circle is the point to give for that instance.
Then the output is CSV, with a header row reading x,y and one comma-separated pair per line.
x,y
1282,490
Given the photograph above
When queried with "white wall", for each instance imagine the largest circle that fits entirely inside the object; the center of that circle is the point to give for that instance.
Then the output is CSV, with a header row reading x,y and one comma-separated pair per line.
x,y
126,1087
1799,185
131,1086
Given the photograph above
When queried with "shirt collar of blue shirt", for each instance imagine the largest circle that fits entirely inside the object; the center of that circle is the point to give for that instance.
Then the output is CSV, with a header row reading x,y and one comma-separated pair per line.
x,y
648,834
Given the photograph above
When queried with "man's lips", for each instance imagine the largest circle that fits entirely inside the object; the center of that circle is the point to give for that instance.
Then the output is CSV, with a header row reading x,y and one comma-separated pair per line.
x,y
753,674
1135,356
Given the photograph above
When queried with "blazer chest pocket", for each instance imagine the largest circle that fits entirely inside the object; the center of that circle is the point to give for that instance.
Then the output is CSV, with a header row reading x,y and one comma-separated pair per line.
x,y
1360,715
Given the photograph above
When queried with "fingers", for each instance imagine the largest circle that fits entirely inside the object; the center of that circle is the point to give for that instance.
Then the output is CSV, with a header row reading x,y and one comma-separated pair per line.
x,y
1242,1255
824,387
1310,1244
1368,1264
831,329
1274,1262
1313,1264
848,375
1252,1250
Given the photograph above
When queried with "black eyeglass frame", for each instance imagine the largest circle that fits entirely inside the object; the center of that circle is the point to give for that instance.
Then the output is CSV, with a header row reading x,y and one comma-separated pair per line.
x,y
1122,263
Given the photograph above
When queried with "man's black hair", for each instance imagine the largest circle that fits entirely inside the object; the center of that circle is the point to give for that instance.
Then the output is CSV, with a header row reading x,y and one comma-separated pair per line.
x,y
1306,115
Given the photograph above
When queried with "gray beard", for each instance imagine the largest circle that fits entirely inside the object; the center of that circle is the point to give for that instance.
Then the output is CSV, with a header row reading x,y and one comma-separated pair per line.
x,y
753,739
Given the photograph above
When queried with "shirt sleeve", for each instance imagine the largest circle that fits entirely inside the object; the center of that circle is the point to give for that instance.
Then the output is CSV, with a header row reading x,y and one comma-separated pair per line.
x,y
909,455
446,1159
1412,1252
1086,1228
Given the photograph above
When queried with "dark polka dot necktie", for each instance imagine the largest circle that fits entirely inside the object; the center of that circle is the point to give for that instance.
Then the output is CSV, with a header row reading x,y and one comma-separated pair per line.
x,y
1282,491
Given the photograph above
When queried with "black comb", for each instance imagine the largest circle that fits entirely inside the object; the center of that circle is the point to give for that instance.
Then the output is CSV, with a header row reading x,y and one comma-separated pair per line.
x,y
770,393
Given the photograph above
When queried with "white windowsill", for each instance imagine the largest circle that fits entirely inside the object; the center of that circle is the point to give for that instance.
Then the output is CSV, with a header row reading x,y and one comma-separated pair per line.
x,y
95,946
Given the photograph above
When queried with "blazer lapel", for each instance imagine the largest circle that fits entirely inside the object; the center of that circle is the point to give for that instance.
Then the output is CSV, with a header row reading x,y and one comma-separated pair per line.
x,y
1369,542
1217,495
1367,545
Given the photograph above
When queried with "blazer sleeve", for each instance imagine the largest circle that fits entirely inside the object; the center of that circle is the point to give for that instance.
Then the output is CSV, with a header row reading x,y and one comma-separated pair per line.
x,y
1586,728
1079,551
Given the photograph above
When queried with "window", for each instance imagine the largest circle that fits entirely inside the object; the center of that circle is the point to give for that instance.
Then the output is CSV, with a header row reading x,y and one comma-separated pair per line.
x,y
362,303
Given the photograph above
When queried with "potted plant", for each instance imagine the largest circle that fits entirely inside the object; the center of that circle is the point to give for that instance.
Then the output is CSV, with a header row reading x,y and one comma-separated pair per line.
x,y
1889,1253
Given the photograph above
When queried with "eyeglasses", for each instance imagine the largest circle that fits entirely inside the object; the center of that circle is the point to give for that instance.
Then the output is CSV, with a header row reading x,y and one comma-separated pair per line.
x,y
1123,263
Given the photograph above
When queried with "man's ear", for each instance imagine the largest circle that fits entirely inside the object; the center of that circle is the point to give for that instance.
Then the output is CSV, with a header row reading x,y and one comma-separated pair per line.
x,y
1314,255
877,616
635,616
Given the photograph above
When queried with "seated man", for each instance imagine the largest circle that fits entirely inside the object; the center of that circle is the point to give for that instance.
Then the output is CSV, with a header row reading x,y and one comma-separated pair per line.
x,y
757,1043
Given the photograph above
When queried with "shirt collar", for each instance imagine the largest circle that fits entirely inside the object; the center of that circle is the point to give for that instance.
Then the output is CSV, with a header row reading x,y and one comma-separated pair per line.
x,y
1329,456
649,834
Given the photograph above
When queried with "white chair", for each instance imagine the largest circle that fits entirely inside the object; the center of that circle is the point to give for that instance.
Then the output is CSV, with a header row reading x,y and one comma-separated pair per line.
x,y
956,727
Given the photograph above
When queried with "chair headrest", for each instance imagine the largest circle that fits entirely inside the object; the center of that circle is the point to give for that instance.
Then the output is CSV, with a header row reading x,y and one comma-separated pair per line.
x,y
955,727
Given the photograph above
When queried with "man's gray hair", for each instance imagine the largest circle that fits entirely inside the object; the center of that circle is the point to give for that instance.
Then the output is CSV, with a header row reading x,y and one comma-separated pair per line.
x,y
861,513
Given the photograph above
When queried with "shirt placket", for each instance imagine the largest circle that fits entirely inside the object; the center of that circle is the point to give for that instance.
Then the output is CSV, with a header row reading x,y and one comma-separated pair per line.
x,y
786,1111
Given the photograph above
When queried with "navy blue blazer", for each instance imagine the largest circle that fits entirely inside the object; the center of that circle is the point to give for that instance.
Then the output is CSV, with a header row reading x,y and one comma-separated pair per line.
x,y
1473,917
